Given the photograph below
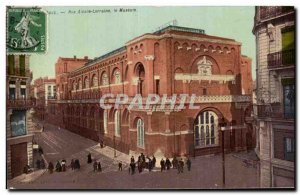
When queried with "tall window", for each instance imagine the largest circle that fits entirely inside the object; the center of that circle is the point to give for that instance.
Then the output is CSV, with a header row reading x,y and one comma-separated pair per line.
x,y
86,83
104,79
18,123
288,45
49,92
79,84
117,76
22,65
94,81
23,90
289,149
11,64
74,85
105,121
288,86
206,129
140,133
12,90
117,124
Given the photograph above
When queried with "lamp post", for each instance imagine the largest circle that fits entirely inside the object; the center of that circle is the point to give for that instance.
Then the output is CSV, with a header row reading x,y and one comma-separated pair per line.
x,y
223,154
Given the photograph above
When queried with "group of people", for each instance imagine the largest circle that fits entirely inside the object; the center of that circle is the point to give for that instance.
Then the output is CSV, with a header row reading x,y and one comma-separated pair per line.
x,y
62,166
176,164
148,163
143,162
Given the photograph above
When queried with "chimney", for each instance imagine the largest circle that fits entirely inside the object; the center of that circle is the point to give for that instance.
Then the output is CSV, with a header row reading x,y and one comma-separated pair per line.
x,y
86,57
75,57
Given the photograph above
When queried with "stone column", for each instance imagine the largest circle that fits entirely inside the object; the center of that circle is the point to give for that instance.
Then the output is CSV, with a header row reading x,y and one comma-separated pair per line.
x,y
167,114
149,114
149,72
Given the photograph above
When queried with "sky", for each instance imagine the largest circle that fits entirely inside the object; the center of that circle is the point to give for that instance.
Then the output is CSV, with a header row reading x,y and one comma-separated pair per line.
x,y
95,34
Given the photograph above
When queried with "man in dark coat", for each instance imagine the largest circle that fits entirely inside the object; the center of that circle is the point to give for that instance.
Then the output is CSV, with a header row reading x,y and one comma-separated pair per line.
x,y
132,168
174,162
72,164
99,167
89,156
120,166
162,165
188,164
168,163
58,167
77,164
50,167
153,161
95,166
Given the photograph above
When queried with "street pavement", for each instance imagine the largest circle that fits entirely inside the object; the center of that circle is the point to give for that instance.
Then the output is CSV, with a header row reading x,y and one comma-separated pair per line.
x,y
206,171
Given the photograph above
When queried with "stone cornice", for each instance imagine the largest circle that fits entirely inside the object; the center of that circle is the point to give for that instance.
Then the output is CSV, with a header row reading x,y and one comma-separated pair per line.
x,y
201,39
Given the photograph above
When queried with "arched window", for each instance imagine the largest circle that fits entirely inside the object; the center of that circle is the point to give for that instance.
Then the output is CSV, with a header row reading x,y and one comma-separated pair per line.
x,y
117,124
105,121
104,79
74,85
79,84
117,76
140,133
206,129
86,83
94,81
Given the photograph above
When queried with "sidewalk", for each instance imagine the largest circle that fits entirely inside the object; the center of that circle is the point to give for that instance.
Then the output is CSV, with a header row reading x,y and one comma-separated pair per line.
x,y
109,152
26,178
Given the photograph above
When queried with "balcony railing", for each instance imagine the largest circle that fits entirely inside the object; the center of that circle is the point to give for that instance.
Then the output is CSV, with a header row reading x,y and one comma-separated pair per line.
x,y
274,111
20,103
267,12
281,59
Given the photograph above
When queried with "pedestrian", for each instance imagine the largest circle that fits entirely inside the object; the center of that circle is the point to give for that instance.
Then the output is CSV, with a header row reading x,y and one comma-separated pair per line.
x,y
153,161
174,162
95,165
132,166
132,159
50,167
63,165
99,167
120,166
77,164
72,164
181,165
58,167
140,168
168,164
188,164
162,165
149,163
89,157
143,158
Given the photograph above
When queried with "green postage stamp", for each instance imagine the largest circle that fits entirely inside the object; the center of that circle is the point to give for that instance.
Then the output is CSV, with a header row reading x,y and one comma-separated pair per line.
x,y
26,30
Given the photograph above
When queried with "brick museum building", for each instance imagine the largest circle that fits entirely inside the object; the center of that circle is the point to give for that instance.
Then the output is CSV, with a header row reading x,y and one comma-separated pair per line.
x,y
173,60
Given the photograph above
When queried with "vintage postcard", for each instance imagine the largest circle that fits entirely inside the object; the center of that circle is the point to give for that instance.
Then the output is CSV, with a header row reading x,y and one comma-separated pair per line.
x,y
148,98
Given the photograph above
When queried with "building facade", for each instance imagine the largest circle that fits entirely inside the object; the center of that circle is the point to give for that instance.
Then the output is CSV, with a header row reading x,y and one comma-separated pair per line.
x,y
44,91
174,60
19,127
274,108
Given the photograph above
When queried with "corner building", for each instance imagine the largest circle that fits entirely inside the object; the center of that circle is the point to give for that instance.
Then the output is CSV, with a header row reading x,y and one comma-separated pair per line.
x,y
174,60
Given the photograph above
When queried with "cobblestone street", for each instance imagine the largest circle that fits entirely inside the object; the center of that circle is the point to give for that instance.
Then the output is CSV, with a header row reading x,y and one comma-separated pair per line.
x,y
59,143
